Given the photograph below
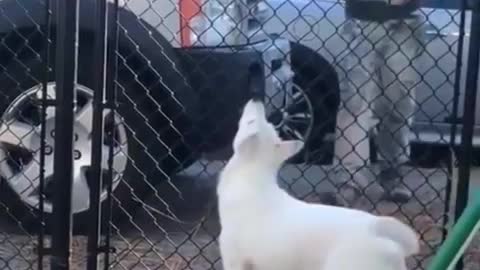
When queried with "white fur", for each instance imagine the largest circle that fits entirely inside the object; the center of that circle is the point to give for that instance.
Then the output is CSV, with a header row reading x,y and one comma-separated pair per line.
x,y
263,228
365,252
384,249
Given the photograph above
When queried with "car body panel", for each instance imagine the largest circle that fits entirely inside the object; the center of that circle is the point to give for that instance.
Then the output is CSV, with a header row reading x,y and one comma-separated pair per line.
x,y
163,15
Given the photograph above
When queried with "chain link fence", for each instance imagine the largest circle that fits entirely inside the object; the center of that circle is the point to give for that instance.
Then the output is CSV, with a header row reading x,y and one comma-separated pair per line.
x,y
26,162
379,105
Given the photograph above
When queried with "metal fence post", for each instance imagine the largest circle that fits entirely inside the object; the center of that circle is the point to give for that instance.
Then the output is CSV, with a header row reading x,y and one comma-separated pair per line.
x,y
455,111
468,115
110,96
43,131
98,70
66,61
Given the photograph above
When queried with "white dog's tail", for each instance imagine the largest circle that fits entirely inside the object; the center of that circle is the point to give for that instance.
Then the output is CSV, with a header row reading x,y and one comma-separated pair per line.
x,y
395,230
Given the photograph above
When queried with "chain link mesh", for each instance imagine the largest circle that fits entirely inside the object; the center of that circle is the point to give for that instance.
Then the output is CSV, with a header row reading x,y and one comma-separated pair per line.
x,y
372,100
21,66
175,230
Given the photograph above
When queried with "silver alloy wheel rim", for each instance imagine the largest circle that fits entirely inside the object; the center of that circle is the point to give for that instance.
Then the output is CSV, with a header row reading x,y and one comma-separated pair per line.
x,y
296,124
20,133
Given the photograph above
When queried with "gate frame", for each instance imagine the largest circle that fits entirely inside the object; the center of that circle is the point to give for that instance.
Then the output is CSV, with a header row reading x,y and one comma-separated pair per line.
x,y
66,78
468,123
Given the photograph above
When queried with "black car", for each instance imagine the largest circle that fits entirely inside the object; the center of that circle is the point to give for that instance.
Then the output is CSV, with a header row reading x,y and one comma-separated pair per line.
x,y
173,105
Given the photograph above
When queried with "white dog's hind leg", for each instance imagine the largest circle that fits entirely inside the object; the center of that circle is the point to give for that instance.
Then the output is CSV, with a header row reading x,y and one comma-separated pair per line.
x,y
398,232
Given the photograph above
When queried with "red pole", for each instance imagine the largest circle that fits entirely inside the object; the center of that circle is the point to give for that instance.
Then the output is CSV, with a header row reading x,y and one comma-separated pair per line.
x,y
188,10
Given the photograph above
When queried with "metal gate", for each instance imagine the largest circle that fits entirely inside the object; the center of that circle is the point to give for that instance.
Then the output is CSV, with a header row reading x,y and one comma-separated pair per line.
x,y
116,117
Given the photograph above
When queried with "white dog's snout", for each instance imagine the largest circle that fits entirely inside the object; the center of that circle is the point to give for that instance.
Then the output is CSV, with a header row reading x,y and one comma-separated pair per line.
x,y
253,111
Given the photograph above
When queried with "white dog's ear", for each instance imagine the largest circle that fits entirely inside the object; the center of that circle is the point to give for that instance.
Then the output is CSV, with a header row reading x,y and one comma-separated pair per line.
x,y
287,149
246,135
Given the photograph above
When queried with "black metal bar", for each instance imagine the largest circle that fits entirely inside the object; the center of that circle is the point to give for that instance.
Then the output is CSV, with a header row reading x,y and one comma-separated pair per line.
x,y
468,116
43,133
455,100
112,63
98,69
66,65
458,73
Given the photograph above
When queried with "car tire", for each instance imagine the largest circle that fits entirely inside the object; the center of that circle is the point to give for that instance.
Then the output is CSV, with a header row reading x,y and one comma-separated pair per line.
x,y
319,80
155,151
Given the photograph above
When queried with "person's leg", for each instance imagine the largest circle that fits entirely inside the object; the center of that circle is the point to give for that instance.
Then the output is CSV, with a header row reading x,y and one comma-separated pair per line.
x,y
395,107
353,119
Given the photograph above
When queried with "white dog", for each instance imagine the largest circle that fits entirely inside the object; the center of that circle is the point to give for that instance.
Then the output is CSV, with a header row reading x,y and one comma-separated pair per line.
x,y
264,228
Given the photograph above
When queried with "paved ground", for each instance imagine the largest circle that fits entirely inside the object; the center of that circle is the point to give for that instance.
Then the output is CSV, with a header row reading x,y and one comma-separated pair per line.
x,y
153,239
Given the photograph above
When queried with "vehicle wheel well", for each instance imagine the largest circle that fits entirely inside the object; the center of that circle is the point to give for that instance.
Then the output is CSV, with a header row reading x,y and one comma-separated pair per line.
x,y
318,77
319,80
318,72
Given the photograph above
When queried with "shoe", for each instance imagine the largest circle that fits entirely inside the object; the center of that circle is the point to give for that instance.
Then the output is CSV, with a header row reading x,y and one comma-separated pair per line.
x,y
349,185
395,191
349,195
